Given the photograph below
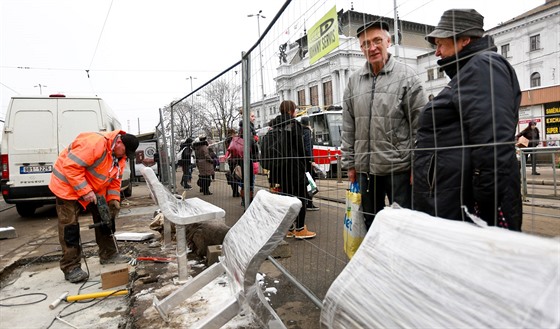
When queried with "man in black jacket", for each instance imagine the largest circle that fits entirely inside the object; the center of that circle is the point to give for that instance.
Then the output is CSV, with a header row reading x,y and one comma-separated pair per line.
x,y
465,153
185,163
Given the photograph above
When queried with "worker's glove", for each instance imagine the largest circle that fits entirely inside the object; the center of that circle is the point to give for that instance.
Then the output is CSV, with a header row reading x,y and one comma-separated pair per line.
x,y
114,208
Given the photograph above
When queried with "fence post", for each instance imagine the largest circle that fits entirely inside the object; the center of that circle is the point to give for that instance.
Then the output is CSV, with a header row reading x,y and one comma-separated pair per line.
x,y
246,91
338,169
172,150
523,175
554,174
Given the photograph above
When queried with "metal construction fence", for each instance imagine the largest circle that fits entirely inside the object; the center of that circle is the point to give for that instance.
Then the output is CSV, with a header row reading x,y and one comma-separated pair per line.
x,y
278,67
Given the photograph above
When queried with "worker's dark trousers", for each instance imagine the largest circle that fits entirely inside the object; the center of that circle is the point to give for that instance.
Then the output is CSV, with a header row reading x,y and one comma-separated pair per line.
x,y
69,234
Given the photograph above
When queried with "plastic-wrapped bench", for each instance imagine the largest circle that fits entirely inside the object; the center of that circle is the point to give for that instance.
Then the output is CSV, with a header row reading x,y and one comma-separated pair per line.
x,y
247,244
180,212
417,271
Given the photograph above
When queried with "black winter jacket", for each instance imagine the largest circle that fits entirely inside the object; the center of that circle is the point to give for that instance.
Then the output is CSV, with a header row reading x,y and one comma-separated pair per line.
x,y
465,153
291,174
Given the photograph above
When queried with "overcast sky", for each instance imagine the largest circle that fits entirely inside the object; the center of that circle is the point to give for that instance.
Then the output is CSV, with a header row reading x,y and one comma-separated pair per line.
x,y
140,53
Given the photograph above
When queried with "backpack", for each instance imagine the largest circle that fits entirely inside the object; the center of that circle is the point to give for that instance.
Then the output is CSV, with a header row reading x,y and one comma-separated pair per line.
x,y
272,145
235,147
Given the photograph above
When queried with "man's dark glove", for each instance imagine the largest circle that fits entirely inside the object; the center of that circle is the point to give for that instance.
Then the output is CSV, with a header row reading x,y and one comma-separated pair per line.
x,y
114,208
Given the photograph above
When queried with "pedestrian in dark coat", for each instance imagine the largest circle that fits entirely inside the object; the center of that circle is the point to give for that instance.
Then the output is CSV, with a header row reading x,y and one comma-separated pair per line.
x,y
289,175
533,135
309,160
465,153
216,160
254,155
185,162
204,163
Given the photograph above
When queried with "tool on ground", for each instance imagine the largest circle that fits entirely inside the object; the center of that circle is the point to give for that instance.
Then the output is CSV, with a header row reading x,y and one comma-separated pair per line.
x,y
106,219
135,261
57,301
66,322
97,295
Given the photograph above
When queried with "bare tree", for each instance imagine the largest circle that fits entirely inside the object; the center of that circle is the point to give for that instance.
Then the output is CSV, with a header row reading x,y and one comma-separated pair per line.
x,y
223,101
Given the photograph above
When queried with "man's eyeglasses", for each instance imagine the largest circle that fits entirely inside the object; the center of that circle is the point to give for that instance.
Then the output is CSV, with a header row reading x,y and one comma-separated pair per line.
x,y
368,43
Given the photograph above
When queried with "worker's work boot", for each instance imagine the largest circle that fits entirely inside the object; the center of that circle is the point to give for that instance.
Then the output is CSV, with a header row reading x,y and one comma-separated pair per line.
x,y
115,259
76,275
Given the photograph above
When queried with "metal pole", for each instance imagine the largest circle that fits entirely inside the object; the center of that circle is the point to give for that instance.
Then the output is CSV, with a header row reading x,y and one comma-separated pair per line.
x,y
192,107
260,61
338,168
259,16
172,150
523,175
40,88
396,29
246,91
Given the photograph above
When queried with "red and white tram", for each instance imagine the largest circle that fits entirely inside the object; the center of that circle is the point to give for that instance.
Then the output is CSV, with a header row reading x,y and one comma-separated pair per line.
x,y
326,125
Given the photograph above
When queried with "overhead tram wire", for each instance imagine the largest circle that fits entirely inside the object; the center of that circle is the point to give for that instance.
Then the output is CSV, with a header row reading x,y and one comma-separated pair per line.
x,y
97,45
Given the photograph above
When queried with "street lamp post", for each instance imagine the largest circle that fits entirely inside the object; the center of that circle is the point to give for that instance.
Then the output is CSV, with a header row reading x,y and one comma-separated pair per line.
x,y
192,106
259,16
40,88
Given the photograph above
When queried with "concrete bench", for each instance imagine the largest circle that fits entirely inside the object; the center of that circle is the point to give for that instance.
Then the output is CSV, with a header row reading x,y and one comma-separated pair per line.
x,y
417,271
180,212
247,244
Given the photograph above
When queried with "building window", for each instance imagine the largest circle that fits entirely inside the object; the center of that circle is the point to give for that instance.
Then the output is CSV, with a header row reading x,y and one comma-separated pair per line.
x,y
535,80
301,97
327,93
535,42
430,74
505,50
440,74
314,95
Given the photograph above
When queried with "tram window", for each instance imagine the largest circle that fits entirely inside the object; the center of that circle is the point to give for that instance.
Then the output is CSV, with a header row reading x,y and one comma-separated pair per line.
x,y
335,128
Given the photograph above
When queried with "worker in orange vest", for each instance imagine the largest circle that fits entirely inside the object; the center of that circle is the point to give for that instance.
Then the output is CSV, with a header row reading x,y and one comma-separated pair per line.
x,y
92,165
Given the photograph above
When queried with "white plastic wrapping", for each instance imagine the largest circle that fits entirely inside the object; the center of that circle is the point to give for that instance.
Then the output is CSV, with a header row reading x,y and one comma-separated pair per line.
x,y
176,210
253,238
414,270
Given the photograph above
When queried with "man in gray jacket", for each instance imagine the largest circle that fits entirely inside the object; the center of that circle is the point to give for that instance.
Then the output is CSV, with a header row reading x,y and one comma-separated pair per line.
x,y
381,106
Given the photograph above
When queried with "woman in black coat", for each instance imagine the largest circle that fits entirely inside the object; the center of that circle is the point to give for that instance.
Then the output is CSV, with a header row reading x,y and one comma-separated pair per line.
x,y
288,175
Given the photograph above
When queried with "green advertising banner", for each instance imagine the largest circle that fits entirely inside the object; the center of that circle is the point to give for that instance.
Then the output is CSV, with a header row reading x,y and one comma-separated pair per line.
x,y
322,38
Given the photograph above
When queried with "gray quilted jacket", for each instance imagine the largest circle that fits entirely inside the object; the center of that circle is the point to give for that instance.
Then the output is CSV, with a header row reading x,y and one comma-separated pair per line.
x,y
380,118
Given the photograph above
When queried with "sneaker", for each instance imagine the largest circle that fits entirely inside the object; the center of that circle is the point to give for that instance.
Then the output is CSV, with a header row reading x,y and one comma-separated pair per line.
x,y
312,207
115,259
304,233
76,275
290,234
535,173
188,187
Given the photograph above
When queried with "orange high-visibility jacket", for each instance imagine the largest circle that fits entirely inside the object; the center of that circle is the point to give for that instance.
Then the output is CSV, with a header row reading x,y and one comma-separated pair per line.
x,y
88,164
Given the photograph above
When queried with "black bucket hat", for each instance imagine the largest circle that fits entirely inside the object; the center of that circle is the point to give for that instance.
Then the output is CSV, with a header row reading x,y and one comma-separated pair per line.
x,y
131,144
458,22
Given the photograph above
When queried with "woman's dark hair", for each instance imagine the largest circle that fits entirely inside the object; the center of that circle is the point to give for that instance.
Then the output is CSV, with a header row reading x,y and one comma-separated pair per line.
x,y
287,106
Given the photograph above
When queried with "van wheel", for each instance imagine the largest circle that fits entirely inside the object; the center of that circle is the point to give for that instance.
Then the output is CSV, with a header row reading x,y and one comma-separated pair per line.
x,y
25,210
128,191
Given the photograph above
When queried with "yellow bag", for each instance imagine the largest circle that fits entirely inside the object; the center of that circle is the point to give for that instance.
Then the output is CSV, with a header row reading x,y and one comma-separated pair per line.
x,y
354,225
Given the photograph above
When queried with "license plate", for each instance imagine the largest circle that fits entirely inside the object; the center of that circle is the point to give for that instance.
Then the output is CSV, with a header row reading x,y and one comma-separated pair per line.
x,y
35,169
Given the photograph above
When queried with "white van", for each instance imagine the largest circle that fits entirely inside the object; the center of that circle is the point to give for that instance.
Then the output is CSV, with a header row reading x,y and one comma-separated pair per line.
x,y
36,129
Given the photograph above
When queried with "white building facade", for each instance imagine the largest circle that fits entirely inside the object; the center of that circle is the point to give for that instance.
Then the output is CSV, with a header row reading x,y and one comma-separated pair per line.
x,y
530,42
